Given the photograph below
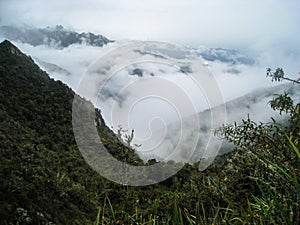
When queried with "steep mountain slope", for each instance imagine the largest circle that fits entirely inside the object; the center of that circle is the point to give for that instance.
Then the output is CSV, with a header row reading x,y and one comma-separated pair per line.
x,y
43,176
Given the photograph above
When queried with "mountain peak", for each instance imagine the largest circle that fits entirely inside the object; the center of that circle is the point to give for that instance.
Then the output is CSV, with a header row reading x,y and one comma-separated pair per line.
x,y
7,46
6,42
11,56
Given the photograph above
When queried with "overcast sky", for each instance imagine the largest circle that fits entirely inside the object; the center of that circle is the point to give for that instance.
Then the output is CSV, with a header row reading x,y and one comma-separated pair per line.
x,y
217,23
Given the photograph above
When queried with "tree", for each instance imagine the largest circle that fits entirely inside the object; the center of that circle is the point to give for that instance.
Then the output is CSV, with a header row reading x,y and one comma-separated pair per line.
x,y
278,75
271,153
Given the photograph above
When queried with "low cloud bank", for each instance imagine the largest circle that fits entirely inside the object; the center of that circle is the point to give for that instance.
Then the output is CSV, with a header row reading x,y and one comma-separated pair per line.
x,y
153,122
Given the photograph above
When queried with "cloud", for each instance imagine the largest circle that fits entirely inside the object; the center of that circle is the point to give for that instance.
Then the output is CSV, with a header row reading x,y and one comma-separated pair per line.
x,y
75,59
268,30
153,118
194,22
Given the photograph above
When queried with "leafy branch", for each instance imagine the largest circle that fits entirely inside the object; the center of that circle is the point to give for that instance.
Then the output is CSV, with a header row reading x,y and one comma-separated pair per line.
x,y
278,75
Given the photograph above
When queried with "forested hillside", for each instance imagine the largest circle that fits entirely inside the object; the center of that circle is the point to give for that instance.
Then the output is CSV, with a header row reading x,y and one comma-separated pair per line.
x,y
42,170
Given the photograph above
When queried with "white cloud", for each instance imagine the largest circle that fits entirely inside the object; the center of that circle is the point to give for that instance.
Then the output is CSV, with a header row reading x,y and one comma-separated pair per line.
x,y
268,28
216,23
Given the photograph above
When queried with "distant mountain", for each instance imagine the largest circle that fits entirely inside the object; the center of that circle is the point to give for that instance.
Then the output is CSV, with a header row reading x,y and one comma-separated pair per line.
x,y
228,56
61,37
56,36
254,104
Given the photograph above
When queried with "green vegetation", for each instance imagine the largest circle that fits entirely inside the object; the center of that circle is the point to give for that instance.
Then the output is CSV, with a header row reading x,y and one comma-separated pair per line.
x,y
45,180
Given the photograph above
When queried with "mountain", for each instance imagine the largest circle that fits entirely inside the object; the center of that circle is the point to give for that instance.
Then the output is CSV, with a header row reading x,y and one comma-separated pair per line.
x,y
44,178
198,131
254,105
61,37
228,56
56,36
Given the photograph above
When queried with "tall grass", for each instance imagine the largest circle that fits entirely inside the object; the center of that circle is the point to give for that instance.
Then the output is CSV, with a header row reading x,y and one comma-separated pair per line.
x,y
270,207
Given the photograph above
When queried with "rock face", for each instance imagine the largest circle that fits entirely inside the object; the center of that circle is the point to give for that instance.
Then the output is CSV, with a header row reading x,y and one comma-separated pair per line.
x,y
56,36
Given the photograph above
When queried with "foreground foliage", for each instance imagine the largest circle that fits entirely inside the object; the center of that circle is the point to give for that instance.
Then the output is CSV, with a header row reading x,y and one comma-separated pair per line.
x,y
45,180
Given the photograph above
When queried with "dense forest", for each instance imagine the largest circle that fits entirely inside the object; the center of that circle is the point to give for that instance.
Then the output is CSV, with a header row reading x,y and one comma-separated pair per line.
x,y
44,179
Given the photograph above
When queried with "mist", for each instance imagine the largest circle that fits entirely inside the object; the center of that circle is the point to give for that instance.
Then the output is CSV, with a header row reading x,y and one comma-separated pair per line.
x,y
266,32
163,132
232,24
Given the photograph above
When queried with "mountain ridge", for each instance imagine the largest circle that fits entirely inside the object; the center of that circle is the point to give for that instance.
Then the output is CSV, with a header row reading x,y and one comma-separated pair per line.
x,y
44,178
61,37
56,36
